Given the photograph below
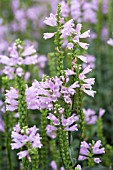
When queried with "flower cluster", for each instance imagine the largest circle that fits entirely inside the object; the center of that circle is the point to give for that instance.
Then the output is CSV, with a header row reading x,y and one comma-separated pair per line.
x,y
90,61
91,117
91,150
44,94
68,30
18,56
86,83
68,124
24,137
41,95
80,11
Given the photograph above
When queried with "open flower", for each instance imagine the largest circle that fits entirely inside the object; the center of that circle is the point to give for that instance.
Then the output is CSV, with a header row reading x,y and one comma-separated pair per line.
x,y
51,21
11,99
91,149
21,137
77,38
68,124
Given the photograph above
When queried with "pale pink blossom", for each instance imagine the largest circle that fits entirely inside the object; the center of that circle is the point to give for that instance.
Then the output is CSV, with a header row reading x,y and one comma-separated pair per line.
x,y
22,154
83,58
51,21
110,41
48,35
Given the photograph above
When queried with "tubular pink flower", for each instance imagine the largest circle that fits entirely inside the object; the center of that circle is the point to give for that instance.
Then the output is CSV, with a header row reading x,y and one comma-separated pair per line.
x,y
48,35
97,160
101,112
86,34
90,116
53,165
83,58
89,92
21,137
51,21
110,42
95,149
51,131
54,119
22,154
29,51
83,45
11,99
85,71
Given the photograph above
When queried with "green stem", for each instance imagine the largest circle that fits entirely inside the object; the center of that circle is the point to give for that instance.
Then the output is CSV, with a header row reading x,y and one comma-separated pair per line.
x,y
7,121
64,148
100,131
52,67
110,17
44,149
58,43
99,21
22,108
25,164
79,112
90,162
1,160
54,151
34,159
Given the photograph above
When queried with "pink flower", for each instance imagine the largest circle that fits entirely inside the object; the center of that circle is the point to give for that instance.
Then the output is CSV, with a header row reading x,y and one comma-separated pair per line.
x,y
101,112
19,71
90,116
64,9
83,45
97,160
54,119
86,34
11,99
70,46
29,51
67,123
78,167
72,128
67,29
1,124
51,131
69,72
48,35
95,149
83,58
51,21
22,154
53,165
4,60
76,10
84,72
110,41
21,137
89,92
90,61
